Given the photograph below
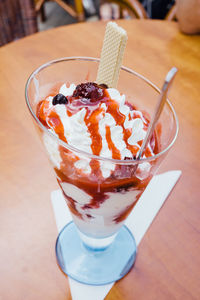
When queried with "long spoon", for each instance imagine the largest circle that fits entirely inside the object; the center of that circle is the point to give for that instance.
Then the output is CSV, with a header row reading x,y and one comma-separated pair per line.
x,y
159,107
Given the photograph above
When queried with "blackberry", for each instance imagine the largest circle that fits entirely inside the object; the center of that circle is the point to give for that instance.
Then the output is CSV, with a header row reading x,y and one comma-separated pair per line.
x,y
59,99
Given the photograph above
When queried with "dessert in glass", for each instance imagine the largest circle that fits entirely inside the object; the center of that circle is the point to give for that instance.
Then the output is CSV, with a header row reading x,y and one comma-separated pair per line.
x,y
93,135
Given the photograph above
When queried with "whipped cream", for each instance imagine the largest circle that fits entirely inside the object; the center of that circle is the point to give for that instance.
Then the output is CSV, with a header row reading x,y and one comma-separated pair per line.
x,y
76,131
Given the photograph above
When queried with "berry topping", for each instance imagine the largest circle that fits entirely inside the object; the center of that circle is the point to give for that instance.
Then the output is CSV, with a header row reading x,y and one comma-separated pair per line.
x,y
89,90
59,99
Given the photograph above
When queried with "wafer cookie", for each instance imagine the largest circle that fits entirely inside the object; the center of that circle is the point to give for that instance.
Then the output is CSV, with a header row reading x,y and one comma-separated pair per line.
x,y
111,55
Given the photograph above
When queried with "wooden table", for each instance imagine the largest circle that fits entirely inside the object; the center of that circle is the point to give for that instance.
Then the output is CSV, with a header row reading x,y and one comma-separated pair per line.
x,y
168,261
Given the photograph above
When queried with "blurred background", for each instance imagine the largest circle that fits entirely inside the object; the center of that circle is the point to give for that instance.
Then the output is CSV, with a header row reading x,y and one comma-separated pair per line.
x,y
19,18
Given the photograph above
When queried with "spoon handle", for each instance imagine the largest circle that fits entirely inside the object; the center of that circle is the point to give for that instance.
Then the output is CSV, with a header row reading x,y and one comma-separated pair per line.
x,y
159,107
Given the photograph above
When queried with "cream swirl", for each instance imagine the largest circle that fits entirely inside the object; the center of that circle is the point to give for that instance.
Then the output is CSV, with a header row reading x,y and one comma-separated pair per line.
x,y
77,134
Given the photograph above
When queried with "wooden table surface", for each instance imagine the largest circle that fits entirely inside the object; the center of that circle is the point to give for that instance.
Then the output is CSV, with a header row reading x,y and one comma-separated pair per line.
x,y
168,260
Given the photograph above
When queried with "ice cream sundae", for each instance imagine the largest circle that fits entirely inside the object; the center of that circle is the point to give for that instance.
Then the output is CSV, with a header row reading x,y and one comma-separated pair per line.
x,y
99,121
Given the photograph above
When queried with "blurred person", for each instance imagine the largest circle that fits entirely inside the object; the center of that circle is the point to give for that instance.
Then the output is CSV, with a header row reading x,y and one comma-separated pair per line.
x,y
188,15
157,9
17,19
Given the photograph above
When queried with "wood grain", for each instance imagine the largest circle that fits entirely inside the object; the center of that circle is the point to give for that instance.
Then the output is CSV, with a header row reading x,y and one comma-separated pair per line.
x,y
168,261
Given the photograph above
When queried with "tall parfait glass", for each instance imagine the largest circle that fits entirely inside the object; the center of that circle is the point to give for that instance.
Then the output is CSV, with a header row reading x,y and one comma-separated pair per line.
x,y
96,248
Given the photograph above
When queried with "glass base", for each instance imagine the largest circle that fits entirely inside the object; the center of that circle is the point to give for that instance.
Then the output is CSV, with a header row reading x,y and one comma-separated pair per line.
x,y
95,266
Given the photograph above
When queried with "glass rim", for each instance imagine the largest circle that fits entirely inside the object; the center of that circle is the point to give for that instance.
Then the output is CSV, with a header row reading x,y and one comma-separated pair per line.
x,y
92,156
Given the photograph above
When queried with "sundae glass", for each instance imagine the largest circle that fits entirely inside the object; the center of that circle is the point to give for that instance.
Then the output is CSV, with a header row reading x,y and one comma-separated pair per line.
x,y
85,129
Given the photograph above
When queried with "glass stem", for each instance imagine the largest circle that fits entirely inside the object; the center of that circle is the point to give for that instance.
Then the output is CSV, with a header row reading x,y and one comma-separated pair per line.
x,y
96,244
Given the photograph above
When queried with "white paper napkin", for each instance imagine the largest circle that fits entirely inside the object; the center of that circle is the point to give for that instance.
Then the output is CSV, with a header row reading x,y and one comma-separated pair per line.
x,y
138,222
